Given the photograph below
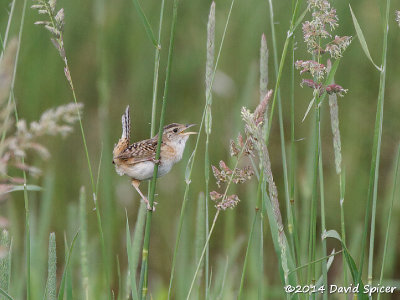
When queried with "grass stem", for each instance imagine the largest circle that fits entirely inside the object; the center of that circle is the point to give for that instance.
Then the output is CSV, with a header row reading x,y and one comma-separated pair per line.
x,y
246,257
144,273
396,169
189,167
373,178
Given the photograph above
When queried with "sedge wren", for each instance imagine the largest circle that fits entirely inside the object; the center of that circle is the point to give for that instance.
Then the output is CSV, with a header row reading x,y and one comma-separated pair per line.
x,y
137,160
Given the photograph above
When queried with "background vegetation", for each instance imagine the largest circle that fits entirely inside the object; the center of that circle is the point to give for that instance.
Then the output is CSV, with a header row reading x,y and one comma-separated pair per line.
x,y
111,60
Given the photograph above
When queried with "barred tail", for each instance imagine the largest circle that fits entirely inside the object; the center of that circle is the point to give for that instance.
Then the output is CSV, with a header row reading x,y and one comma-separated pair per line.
x,y
126,125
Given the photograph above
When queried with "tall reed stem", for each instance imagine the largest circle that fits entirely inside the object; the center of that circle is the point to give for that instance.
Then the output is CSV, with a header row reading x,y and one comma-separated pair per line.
x,y
282,61
323,225
396,169
146,241
282,132
376,148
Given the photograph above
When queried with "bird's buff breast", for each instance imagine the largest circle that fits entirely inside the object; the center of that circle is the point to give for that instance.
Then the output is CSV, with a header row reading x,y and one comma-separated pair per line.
x,y
143,170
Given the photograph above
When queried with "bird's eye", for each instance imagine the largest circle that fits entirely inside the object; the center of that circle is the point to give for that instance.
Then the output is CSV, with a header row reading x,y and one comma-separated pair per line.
x,y
176,130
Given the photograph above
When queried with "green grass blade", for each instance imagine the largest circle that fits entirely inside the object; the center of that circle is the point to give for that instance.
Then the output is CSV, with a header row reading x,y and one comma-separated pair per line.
x,y
300,19
28,187
396,169
4,41
282,61
375,159
361,38
68,280
240,293
83,244
51,285
119,277
349,260
68,258
146,241
281,130
189,167
5,294
146,23
329,257
132,268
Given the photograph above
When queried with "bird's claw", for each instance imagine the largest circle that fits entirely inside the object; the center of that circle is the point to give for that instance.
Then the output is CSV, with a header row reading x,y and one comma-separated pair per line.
x,y
157,161
148,207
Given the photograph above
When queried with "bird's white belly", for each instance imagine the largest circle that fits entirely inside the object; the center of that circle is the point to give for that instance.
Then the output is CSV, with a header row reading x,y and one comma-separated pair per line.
x,y
144,170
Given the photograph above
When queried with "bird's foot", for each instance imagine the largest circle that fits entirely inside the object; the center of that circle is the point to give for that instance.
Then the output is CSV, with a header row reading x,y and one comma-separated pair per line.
x,y
157,161
148,206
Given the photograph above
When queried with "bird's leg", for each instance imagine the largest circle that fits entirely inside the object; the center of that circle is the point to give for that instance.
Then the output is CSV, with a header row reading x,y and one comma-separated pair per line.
x,y
135,184
156,161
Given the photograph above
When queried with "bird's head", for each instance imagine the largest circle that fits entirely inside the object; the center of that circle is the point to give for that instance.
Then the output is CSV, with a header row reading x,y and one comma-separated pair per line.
x,y
175,133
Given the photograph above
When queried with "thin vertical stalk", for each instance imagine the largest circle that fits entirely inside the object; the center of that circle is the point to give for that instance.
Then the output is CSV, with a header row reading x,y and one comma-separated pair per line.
x,y
109,216
26,200
261,282
396,169
278,73
208,119
313,220
119,279
189,167
374,172
202,253
314,199
323,225
246,256
141,220
283,57
140,223
146,242
4,44
281,132
213,224
59,43
96,203
293,158
155,77
342,222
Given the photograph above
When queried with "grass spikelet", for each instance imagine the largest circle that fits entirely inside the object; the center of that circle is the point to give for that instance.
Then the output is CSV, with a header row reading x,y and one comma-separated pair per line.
x,y
263,68
51,286
255,133
208,121
334,111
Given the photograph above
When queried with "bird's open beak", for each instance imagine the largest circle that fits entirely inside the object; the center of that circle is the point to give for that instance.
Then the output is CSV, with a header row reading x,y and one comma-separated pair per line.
x,y
190,132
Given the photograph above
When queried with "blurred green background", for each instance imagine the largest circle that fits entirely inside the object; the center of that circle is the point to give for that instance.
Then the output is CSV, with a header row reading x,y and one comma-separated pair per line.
x,y
112,62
